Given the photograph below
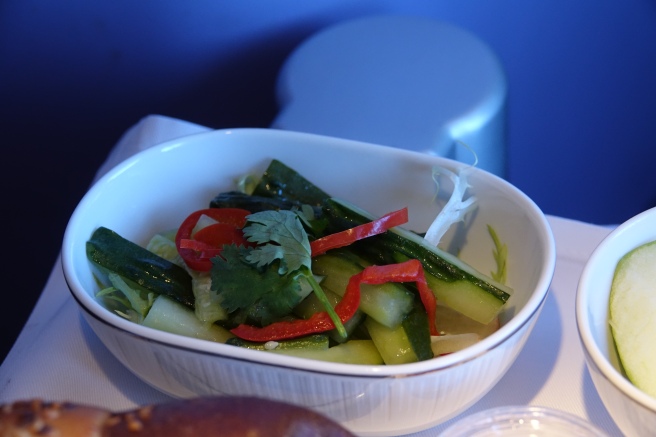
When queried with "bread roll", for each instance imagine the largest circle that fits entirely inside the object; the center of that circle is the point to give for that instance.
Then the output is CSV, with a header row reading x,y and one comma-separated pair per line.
x,y
202,417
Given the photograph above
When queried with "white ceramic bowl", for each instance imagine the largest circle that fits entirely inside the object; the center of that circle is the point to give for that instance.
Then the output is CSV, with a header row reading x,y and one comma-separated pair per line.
x,y
157,188
632,410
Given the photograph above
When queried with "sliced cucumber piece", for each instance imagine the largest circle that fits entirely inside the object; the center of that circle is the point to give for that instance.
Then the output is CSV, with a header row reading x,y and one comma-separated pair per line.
x,y
351,352
466,298
311,342
170,316
164,245
110,252
207,303
140,300
282,182
417,330
393,344
387,303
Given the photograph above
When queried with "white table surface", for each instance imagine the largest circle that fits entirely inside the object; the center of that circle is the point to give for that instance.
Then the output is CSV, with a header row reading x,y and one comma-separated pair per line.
x,y
58,357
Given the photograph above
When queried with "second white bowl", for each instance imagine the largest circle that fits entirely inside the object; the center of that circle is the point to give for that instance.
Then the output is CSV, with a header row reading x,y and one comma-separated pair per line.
x,y
632,410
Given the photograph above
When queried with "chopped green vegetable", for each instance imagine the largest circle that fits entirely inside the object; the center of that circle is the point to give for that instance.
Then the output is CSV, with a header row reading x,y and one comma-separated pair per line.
x,y
311,342
208,304
416,327
262,284
393,344
352,352
170,316
282,182
140,300
115,301
247,183
109,252
164,245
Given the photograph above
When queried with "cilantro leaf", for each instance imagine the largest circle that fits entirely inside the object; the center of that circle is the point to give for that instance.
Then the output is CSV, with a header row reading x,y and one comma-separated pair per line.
x,y
271,307
262,282
284,228
249,290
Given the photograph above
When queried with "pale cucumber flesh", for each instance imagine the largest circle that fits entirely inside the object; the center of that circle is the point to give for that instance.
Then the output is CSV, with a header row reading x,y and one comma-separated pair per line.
x,y
170,316
352,352
392,343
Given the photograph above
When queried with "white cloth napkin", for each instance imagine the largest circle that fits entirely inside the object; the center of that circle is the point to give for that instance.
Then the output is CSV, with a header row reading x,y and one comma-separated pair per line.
x,y
58,357
149,131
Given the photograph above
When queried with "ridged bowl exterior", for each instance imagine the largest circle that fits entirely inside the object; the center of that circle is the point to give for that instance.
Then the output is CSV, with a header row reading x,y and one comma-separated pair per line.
x,y
372,406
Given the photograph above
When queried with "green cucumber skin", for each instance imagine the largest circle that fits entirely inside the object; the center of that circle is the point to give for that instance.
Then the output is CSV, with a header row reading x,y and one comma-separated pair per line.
x,y
111,252
282,182
392,343
417,329
310,342
170,316
253,203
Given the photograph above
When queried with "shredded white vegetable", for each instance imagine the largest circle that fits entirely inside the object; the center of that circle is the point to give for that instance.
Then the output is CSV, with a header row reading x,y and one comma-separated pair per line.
x,y
456,207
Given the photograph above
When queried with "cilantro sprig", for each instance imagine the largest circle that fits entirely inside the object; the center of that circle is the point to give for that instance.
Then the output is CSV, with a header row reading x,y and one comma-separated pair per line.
x,y
280,235
264,281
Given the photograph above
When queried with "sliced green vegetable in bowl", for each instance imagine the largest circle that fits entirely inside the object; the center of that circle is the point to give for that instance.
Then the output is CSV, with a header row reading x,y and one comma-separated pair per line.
x,y
251,274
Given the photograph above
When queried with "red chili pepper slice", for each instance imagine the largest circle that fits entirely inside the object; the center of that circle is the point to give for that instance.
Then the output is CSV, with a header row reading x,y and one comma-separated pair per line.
x,y
318,322
196,245
344,238
197,250
219,234
408,271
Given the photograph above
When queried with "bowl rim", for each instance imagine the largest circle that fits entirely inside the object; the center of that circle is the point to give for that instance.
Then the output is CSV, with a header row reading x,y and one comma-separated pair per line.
x,y
515,324
593,352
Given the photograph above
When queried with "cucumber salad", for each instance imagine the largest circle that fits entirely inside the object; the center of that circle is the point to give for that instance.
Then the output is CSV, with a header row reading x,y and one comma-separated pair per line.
x,y
280,266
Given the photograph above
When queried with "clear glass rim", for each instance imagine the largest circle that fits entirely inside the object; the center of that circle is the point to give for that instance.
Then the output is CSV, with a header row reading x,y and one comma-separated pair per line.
x,y
517,420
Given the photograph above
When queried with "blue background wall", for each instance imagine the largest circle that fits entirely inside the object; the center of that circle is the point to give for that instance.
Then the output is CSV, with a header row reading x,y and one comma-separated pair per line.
x,y
75,74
